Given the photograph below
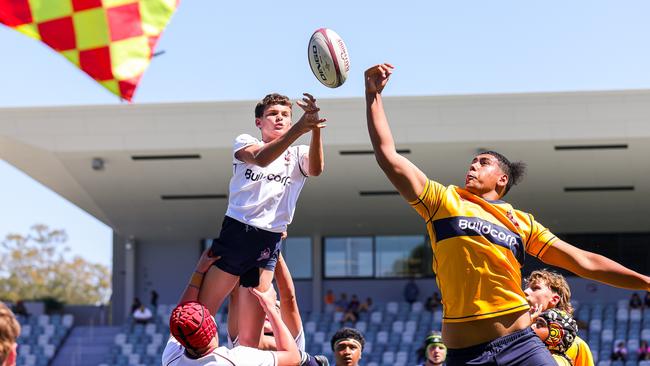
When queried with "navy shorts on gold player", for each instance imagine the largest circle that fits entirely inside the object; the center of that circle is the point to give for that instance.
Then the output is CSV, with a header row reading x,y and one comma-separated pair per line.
x,y
521,348
244,249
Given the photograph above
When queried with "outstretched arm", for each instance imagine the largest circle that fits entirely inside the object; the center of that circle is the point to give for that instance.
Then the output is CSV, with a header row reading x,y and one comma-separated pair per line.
x,y
192,289
594,266
266,154
405,176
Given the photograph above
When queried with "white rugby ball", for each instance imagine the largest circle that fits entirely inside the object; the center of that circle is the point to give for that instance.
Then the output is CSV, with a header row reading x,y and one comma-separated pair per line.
x,y
328,57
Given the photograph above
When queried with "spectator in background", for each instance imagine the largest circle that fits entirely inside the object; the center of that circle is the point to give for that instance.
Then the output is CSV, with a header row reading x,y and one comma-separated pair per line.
x,y
647,299
411,291
366,306
347,344
433,302
9,332
644,351
136,304
329,301
635,301
342,303
142,315
620,352
352,312
154,299
20,309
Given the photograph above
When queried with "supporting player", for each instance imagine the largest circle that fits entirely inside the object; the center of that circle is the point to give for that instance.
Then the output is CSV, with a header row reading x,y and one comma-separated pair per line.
x,y
289,311
267,178
194,340
558,330
347,344
479,242
9,332
548,290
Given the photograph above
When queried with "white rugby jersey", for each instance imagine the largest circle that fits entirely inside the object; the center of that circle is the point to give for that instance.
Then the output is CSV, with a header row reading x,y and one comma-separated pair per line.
x,y
266,197
174,355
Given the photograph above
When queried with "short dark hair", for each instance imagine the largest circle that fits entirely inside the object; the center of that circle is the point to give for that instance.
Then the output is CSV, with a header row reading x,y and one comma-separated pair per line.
x,y
348,333
269,100
514,170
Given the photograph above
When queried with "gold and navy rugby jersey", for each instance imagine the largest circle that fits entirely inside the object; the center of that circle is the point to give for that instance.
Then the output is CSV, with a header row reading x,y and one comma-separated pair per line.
x,y
478,250
579,353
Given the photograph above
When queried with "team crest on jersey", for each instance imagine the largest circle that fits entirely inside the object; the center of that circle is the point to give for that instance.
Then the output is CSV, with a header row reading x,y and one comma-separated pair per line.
x,y
287,157
511,217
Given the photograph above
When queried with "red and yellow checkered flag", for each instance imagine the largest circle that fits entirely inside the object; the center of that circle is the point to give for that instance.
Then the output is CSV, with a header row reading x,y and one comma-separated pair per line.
x,y
110,40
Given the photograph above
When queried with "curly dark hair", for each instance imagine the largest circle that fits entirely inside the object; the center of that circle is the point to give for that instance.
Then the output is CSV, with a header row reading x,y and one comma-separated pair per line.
x,y
514,170
345,333
269,100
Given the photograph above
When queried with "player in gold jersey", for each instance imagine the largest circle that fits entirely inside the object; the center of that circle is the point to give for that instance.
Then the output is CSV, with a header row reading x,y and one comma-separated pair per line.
x,y
479,242
548,290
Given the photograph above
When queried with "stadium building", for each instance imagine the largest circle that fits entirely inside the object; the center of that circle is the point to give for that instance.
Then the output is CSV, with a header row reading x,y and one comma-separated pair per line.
x,y
158,175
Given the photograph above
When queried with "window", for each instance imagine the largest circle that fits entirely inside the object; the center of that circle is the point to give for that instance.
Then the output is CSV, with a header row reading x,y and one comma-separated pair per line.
x,y
402,256
348,257
297,253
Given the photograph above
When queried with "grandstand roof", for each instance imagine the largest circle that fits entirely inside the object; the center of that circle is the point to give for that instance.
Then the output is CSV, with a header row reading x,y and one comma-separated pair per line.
x,y
56,146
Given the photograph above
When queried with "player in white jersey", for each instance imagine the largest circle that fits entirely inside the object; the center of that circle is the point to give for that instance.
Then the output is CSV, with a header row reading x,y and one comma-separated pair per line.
x,y
268,175
194,340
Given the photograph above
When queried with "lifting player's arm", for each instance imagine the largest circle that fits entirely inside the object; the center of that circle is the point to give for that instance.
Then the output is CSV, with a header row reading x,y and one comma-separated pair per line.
x,y
287,352
288,304
192,289
263,155
405,176
594,266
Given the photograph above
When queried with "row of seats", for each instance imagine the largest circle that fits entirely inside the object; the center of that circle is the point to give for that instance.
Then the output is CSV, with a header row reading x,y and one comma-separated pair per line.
x,y
41,336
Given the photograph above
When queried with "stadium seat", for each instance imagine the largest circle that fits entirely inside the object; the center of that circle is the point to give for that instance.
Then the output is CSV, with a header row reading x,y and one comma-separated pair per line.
x,y
388,358
382,337
392,307
417,307
595,325
622,315
607,335
376,317
398,326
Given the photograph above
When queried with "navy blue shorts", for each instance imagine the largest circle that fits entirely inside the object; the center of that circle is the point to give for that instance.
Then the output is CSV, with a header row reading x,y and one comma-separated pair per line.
x,y
522,348
245,249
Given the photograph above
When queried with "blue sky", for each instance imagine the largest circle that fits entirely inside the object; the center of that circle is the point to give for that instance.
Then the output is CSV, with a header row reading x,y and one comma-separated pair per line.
x,y
242,50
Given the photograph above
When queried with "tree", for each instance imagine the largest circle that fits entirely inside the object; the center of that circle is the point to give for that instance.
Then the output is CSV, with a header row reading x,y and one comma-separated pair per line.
x,y
35,267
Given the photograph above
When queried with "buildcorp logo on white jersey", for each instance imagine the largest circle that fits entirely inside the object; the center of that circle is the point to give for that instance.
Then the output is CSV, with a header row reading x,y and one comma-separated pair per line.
x,y
485,228
250,174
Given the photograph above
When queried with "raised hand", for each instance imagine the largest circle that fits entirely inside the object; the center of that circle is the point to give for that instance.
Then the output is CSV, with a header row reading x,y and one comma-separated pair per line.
x,y
310,119
377,77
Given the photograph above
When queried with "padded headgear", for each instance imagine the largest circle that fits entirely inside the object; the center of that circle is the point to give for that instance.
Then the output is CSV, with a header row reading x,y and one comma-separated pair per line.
x,y
562,330
192,325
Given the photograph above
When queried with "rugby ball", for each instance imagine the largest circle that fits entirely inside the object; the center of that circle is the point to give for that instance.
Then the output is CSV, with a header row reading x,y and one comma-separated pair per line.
x,y
328,57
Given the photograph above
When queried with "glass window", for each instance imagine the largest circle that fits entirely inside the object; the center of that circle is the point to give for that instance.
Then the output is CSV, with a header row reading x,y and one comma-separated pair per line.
x,y
348,257
297,254
402,256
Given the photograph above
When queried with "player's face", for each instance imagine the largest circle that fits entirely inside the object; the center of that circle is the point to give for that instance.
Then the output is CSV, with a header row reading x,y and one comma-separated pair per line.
x,y
436,354
275,122
347,353
538,293
484,175
541,328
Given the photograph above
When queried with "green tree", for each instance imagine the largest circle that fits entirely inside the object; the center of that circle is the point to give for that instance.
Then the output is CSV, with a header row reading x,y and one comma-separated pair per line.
x,y
35,266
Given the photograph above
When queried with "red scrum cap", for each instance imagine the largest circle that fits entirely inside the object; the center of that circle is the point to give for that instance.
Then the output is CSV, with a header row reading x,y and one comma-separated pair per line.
x,y
192,325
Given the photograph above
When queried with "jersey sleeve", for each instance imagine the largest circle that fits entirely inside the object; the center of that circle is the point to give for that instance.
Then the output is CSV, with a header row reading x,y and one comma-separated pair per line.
x,y
173,350
539,239
253,356
242,141
429,200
